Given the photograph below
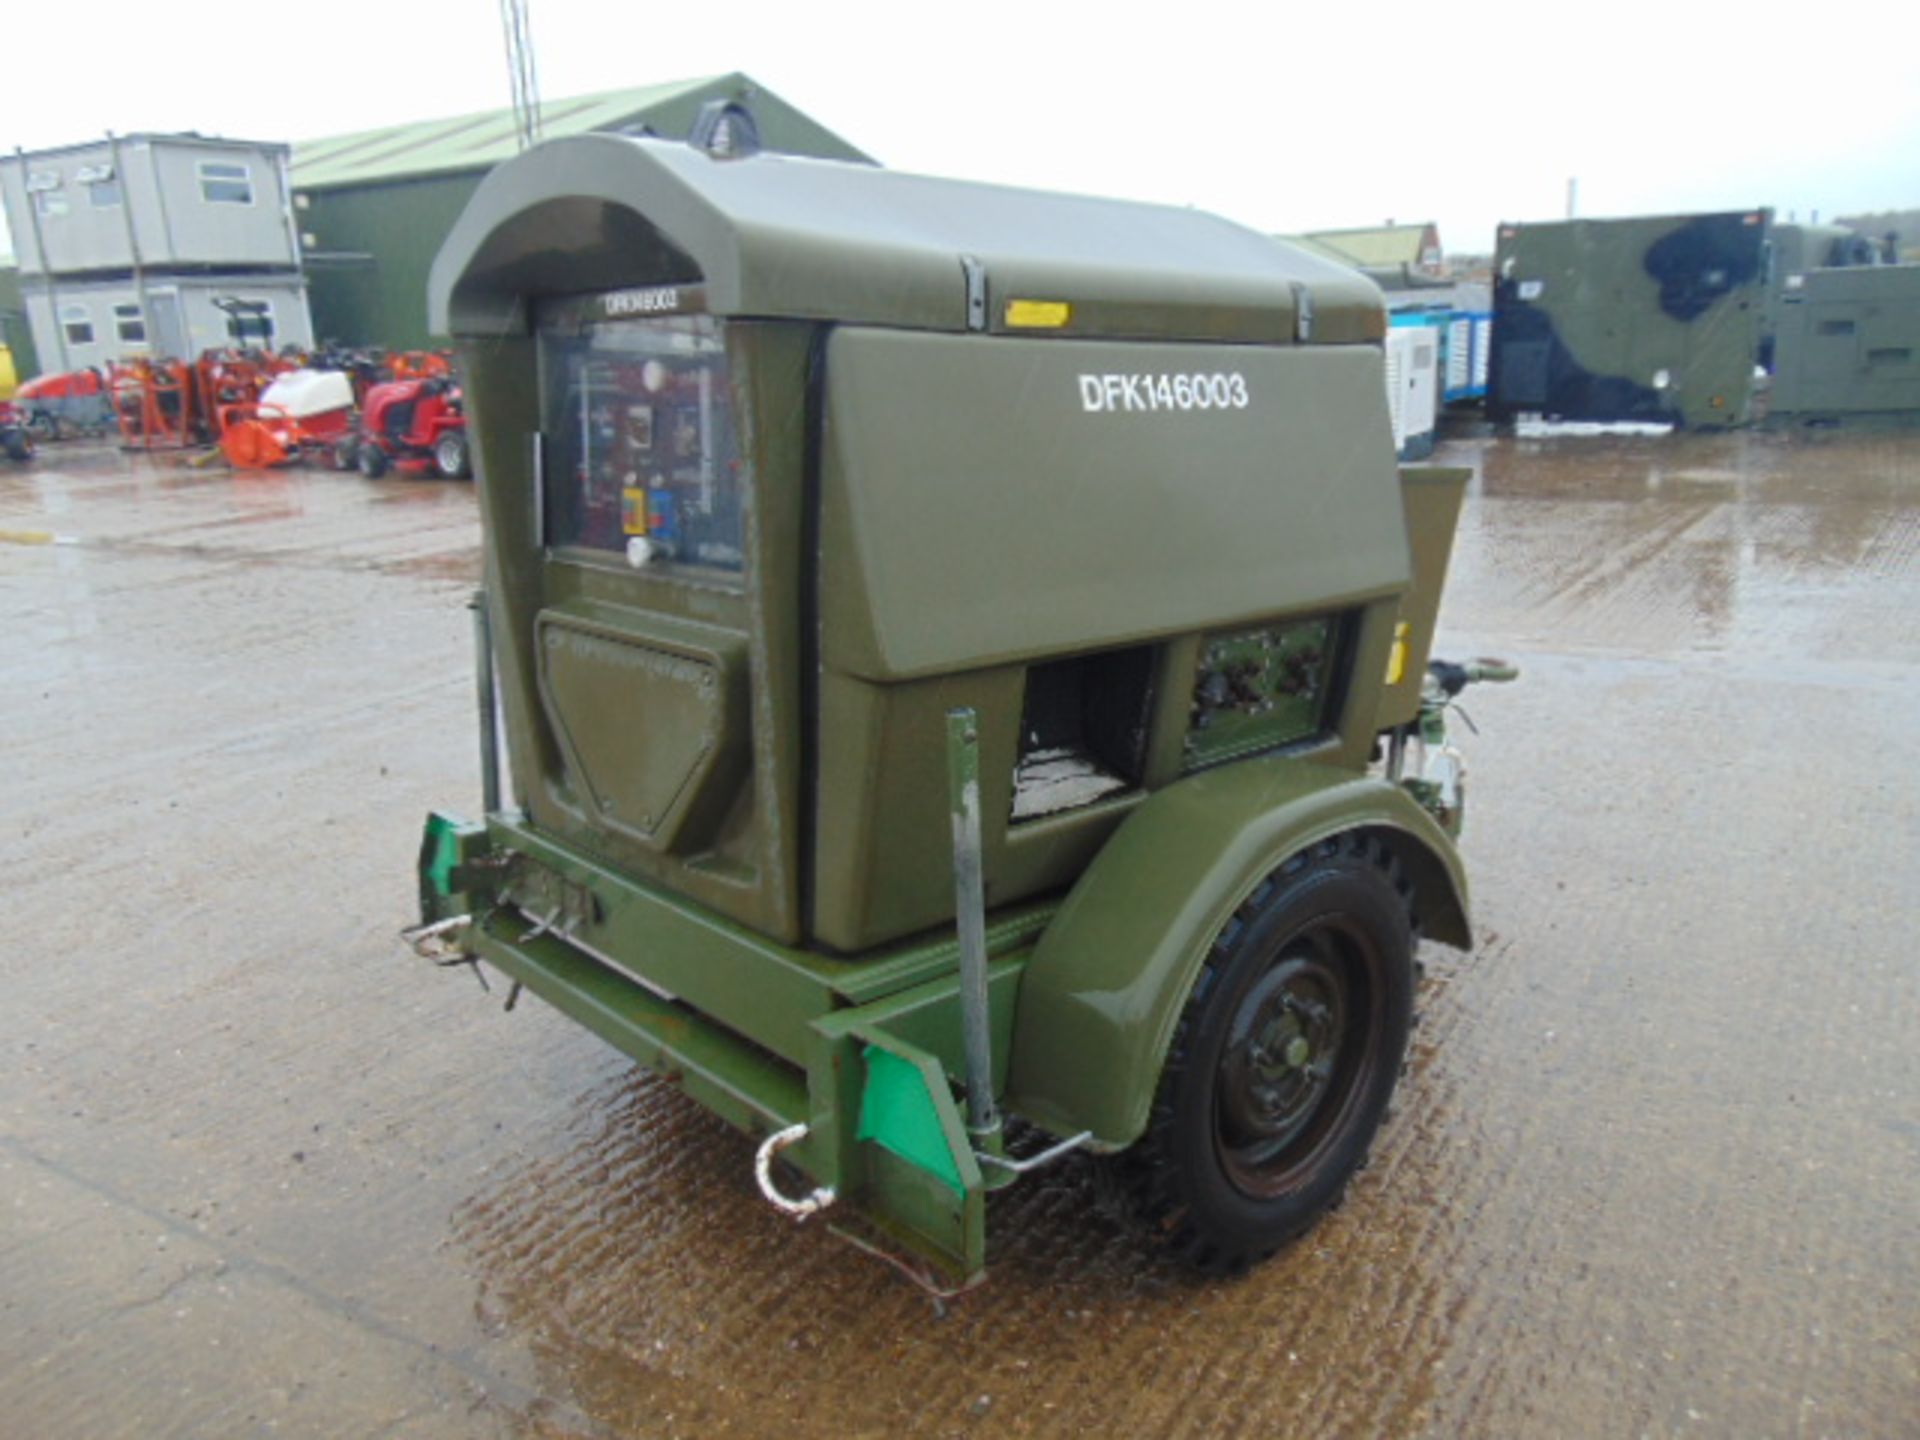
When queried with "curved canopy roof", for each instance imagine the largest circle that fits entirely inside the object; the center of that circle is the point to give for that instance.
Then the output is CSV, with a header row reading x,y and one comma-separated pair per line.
x,y
781,236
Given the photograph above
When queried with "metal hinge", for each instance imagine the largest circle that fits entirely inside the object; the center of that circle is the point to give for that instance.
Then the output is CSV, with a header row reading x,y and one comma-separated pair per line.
x,y
976,275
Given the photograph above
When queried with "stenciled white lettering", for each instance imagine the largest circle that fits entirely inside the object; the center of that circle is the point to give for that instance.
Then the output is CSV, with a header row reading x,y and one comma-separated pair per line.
x,y
643,302
1111,393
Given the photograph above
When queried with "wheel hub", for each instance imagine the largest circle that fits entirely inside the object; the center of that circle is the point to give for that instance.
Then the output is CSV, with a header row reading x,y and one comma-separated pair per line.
x,y
1282,1055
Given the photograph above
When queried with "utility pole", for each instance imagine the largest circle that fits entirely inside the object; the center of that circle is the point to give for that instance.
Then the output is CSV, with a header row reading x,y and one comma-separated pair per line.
x,y
133,251
526,90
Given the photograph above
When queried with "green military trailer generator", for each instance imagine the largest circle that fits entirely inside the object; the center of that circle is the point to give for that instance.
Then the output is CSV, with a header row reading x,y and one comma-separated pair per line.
x,y
963,658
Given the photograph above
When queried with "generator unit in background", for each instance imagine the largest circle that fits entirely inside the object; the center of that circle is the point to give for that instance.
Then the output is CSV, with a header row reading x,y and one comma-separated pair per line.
x,y
1847,348
1464,356
1459,316
1653,319
1795,251
961,654
1413,348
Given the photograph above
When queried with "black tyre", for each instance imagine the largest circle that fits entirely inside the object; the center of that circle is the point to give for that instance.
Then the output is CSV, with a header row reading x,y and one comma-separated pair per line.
x,y
1283,1061
373,460
450,455
346,454
19,444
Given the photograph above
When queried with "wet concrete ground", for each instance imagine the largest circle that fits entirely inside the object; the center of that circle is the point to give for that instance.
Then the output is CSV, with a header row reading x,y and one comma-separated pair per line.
x,y
1655,1171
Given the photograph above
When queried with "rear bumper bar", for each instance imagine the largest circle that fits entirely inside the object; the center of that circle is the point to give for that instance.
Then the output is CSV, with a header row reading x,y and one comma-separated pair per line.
x,y
870,1082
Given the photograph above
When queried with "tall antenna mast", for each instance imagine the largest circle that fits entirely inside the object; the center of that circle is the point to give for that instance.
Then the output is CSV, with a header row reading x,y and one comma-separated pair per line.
x,y
526,90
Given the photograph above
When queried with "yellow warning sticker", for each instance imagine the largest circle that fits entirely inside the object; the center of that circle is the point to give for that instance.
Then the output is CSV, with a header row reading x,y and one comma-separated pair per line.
x,y
1038,314
1397,660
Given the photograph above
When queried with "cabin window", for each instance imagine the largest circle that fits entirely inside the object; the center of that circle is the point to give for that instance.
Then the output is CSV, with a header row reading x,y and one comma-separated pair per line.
x,y
77,322
224,184
130,324
104,194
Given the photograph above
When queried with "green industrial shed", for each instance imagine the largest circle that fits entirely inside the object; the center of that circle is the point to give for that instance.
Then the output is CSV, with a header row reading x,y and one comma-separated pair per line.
x,y
374,206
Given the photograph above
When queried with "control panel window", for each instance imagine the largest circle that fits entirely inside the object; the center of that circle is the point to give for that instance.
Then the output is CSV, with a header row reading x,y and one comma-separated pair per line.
x,y
224,184
642,459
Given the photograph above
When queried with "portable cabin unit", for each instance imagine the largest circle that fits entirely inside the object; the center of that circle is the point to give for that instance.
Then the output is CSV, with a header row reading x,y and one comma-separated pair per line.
x,y
124,241
177,316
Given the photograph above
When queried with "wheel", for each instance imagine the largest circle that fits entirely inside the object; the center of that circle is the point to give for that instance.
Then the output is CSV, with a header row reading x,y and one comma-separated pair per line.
x,y
450,455
346,454
1283,1060
41,426
373,460
19,444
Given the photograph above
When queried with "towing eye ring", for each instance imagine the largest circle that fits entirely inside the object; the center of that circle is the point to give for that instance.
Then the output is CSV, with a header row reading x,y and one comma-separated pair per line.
x,y
763,1173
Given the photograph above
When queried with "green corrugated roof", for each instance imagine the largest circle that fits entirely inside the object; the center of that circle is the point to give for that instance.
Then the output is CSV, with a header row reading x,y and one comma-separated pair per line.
x,y
481,141
1384,246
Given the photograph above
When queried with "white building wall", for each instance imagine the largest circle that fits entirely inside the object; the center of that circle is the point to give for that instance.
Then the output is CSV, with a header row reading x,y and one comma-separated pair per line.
x,y
204,229
178,321
48,198
207,327
13,199
190,202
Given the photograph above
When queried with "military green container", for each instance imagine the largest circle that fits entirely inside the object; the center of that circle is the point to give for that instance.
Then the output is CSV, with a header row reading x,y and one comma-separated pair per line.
x,y
1655,319
1795,251
1848,347
944,638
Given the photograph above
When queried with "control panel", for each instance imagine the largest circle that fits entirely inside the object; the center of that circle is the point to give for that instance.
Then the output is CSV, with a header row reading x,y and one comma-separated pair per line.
x,y
1260,688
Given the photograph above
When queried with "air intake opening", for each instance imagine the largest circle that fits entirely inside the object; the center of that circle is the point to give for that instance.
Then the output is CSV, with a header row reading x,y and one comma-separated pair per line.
x,y
1083,731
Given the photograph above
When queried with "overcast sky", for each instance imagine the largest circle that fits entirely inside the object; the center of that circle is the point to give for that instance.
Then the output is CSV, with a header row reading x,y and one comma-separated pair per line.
x,y
1283,116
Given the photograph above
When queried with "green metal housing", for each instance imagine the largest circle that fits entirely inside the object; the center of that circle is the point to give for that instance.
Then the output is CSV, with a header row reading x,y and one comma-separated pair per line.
x,y
1848,347
1118,479
1651,319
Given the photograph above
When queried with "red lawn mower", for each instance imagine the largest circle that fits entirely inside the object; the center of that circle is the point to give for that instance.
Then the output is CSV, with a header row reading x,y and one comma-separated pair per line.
x,y
57,407
417,424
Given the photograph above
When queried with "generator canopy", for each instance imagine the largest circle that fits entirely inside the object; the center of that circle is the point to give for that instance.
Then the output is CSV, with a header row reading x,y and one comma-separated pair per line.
x,y
779,236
